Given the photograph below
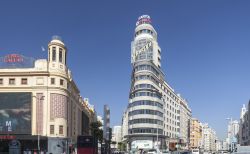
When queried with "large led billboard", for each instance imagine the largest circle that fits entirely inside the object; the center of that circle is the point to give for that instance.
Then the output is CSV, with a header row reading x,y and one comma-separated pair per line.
x,y
15,113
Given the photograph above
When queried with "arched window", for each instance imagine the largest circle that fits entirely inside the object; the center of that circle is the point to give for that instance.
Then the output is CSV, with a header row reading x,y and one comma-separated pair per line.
x,y
60,55
53,53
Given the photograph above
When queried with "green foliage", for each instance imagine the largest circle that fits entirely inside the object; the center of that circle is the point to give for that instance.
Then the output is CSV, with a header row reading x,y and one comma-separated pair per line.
x,y
122,146
96,131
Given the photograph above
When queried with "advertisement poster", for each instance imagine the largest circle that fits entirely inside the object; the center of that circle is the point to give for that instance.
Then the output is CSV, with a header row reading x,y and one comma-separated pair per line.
x,y
142,144
15,113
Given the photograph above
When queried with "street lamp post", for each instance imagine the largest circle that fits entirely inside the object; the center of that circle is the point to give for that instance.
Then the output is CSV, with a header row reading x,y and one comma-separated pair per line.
x,y
38,135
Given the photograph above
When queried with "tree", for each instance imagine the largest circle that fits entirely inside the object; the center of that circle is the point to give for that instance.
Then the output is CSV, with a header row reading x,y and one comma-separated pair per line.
x,y
120,145
96,131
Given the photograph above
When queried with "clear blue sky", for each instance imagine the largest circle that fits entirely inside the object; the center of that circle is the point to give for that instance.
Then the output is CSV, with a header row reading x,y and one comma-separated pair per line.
x,y
205,48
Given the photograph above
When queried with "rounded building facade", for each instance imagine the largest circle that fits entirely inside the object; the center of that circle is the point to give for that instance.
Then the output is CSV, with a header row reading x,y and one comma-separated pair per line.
x,y
155,112
145,109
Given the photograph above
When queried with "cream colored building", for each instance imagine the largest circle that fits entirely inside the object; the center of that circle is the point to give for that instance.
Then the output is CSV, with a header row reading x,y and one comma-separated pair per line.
x,y
208,142
195,133
124,125
57,109
156,114
185,117
116,136
244,129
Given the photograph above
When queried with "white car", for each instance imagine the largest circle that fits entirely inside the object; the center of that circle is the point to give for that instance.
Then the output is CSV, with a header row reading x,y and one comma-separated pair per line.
x,y
195,151
165,152
152,151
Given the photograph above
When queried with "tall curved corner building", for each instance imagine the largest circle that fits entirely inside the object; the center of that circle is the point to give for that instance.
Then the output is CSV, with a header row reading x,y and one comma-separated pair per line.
x,y
155,112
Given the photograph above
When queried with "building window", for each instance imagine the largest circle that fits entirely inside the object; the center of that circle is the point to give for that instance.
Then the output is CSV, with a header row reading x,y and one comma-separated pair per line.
x,y
60,129
52,129
52,81
24,81
11,81
1,81
68,87
53,53
60,55
49,55
61,82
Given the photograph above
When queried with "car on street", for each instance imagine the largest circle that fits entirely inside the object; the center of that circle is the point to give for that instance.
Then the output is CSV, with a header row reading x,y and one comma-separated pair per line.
x,y
165,152
195,151
152,151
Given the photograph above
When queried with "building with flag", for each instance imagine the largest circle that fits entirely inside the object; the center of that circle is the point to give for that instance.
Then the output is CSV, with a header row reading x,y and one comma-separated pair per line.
x,y
40,104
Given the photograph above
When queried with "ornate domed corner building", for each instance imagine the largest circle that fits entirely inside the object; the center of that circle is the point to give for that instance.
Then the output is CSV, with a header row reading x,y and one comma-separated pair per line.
x,y
154,111
40,104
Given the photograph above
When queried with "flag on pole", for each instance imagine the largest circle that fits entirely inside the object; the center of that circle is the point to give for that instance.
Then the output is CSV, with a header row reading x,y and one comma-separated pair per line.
x,y
43,49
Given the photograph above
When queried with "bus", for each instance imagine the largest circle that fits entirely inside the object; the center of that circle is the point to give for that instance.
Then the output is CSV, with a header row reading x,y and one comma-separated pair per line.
x,y
86,145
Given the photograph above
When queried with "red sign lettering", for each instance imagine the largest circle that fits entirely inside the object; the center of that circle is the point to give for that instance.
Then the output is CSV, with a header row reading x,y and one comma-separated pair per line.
x,y
13,58
7,137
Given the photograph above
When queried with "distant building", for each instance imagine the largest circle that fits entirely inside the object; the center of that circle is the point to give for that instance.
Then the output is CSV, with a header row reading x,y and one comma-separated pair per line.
x,y
219,145
195,133
106,123
242,113
208,142
224,145
124,125
232,134
233,129
244,131
99,118
185,116
117,135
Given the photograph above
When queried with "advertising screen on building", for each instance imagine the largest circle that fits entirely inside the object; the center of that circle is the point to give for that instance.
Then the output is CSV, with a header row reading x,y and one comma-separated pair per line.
x,y
15,113
142,144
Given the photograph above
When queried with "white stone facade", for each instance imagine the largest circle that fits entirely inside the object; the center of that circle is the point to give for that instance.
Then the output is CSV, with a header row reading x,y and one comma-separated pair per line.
x,y
124,125
208,142
244,129
155,111
57,106
117,135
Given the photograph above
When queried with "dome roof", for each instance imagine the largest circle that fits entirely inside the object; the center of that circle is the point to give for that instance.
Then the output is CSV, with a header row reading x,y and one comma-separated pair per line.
x,y
57,39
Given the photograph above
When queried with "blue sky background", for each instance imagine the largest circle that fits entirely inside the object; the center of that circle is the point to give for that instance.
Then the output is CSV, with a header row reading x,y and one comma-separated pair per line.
x,y
205,48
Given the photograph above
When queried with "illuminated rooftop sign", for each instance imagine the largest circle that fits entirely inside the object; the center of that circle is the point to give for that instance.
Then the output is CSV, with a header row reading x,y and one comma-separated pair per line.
x,y
144,19
16,61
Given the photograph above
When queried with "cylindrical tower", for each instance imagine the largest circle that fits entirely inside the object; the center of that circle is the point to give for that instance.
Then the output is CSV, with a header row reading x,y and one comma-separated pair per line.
x,y
57,51
145,109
